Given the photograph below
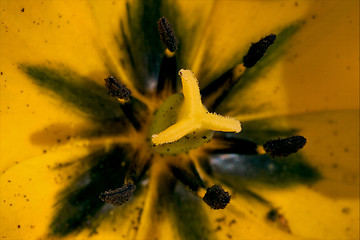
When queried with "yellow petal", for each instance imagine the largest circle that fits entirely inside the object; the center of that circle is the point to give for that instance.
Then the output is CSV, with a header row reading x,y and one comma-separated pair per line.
x,y
314,75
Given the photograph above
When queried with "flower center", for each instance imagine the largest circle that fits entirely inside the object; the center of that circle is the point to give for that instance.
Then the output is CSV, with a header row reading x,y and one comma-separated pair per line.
x,y
183,123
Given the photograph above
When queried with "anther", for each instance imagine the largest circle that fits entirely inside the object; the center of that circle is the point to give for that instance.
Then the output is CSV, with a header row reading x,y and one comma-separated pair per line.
x,y
216,197
167,34
117,89
167,80
284,147
258,50
119,196
133,109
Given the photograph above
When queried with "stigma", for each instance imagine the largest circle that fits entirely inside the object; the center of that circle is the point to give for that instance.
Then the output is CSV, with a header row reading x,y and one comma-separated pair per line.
x,y
193,115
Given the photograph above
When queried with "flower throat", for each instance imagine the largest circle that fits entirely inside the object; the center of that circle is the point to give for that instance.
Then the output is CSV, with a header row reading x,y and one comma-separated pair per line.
x,y
185,121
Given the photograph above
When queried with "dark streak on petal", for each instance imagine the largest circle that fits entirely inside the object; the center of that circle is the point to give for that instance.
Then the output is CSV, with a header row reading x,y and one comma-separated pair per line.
x,y
79,91
126,44
79,206
237,170
190,218
141,41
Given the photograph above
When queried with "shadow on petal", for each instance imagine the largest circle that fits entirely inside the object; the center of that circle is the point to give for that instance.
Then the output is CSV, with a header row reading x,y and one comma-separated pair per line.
x,y
237,170
331,152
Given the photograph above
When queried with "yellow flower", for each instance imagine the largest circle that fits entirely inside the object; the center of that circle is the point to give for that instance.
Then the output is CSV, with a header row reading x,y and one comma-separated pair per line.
x,y
64,141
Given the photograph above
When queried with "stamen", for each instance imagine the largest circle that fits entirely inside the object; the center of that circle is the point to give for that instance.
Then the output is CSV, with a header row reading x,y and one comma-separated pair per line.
x,y
188,178
138,167
119,196
167,34
226,79
168,69
228,143
167,80
258,50
216,197
133,109
284,147
117,89
215,92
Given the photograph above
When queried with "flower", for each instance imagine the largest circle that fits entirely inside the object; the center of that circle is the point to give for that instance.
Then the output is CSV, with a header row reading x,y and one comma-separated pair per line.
x,y
53,154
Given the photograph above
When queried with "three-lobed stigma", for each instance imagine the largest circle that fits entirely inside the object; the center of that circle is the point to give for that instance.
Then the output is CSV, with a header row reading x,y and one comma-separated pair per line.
x,y
193,115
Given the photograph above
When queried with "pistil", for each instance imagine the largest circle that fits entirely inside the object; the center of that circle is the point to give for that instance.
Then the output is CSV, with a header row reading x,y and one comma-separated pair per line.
x,y
193,115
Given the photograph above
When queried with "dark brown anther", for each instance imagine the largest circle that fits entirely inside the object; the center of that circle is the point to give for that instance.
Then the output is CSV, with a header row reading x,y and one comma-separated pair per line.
x,y
258,50
167,34
167,80
118,196
216,197
117,89
284,147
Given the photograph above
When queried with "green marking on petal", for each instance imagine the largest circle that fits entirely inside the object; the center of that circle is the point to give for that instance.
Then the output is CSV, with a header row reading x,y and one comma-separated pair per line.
x,y
189,216
79,91
239,170
79,206
139,37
